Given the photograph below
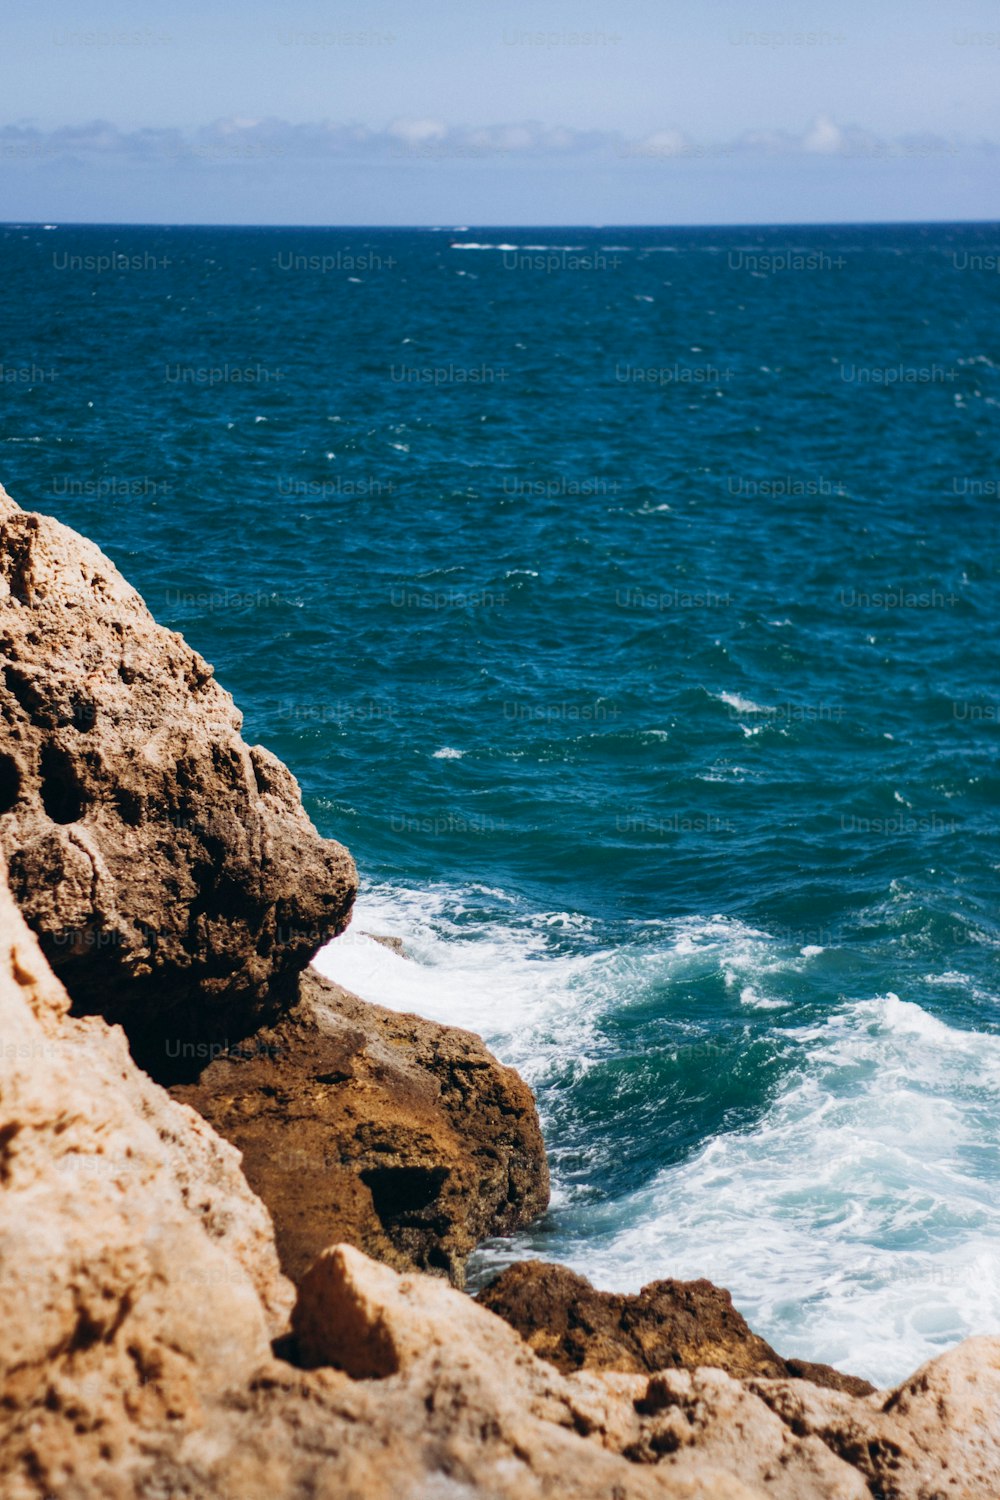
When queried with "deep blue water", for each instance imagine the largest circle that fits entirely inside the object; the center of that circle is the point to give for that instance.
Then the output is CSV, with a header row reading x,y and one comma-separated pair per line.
x,y
629,607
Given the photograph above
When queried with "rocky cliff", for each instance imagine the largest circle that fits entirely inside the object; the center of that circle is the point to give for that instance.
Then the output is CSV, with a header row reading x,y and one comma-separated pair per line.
x,y
177,887
152,1345
168,869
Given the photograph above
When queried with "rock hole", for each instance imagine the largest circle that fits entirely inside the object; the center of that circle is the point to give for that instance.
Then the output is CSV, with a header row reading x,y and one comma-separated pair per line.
x,y
62,794
84,714
10,783
399,1192
23,690
129,806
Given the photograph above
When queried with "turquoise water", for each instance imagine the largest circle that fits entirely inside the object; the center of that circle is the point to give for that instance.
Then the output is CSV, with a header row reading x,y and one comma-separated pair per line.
x,y
629,607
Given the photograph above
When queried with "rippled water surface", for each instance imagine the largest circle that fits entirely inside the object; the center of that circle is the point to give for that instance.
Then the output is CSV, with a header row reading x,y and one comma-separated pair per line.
x,y
627,601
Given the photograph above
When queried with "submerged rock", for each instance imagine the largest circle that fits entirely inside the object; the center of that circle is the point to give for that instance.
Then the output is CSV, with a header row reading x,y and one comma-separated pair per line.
x,y
394,944
168,869
669,1325
392,1133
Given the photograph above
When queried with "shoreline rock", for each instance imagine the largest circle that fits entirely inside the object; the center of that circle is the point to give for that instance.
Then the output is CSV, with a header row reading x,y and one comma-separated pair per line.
x,y
395,1134
394,944
669,1325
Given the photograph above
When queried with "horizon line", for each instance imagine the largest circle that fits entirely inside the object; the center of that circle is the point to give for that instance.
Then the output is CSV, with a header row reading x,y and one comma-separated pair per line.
x,y
498,224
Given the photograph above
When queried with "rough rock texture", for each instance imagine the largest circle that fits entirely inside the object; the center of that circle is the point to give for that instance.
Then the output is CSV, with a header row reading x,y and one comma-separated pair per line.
x,y
394,1134
136,1279
134,1261
669,1325
169,870
937,1436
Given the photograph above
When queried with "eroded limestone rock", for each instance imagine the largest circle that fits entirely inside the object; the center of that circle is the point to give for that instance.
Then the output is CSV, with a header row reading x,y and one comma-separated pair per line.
x,y
169,870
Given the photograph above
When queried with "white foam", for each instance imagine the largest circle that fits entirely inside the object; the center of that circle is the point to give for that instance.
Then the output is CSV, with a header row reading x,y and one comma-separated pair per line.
x,y
486,975
750,995
447,753
743,705
855,1221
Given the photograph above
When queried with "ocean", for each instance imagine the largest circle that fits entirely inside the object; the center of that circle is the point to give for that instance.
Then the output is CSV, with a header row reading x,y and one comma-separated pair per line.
x,y
626,600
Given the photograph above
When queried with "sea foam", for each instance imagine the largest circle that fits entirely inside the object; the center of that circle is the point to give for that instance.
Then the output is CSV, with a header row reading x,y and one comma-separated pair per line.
x,y
855,1221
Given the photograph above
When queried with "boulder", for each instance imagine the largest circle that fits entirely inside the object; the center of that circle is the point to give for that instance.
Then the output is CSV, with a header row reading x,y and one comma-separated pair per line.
x,y
936,1435
669,1325
395,1134
169,870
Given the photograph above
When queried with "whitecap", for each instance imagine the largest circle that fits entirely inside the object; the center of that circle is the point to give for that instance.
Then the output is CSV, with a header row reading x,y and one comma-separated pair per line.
x,y
855,1218
750,995
857,1221
743,705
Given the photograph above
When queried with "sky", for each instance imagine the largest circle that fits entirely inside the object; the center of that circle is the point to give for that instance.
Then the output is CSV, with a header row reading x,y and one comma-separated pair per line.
x,y
561,112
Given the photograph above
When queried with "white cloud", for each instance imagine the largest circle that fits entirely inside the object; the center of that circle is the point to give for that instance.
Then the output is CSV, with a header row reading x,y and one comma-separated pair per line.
x,y
418,132
664,143
824,137
243,138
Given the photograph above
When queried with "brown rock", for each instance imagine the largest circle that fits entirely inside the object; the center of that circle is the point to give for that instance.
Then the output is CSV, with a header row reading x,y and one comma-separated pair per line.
x,y
669,1325
697,1431
482,1389
394,1134
169,870
135,1264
